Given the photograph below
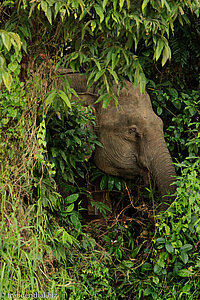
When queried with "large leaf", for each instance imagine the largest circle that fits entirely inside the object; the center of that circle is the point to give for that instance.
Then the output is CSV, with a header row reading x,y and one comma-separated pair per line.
x,y
99,12
6,39
72,198
159,48
144,4
50,98
169,247
184,273
7,79
67,238
166,54
64,98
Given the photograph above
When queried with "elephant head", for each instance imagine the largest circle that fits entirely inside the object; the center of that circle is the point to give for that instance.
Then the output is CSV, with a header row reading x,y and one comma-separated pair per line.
x,y
133,140
132,137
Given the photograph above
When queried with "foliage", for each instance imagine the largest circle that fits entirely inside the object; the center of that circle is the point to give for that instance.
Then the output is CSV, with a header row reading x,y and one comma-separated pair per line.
x,y
182,130
70,140
46,141
112,34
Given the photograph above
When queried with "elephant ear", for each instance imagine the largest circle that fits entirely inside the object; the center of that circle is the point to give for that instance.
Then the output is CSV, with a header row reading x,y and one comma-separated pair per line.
x,y
89,99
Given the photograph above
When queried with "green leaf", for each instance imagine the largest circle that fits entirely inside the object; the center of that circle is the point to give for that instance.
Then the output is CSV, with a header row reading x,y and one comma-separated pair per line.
x,y
115,4
121,4
142,82
70,208
44,6
159,47
57,8
127,264
67,238
148,291
128,4
186,288
106,101
6,39
50,98
167,5
166,55
186,248
15,40
111,182
173,92
159,110
157,269
99,12
104,3
118,183
114,74
103,182
93,25
98,143
72,198
146,267
98,75
13,66
169,247
184,257
192,111
75,221
144,4
185,273
7,79
65,98
161,240
49,15
2,62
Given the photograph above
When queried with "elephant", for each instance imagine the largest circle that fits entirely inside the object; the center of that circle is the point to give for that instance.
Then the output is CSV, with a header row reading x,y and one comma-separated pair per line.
x,y
132,136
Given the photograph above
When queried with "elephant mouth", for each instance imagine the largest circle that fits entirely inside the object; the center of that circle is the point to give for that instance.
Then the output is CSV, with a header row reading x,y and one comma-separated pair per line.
x,y
127,171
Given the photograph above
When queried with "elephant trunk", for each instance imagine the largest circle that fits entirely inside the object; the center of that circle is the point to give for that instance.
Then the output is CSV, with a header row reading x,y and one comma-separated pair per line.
x,y
160,164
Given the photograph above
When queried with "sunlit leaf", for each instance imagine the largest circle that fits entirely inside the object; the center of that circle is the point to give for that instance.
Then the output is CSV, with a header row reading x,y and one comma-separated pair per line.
x,y
184,273
72,198
142,82
114,74
7,79
166,55
99,12
106,101
144,4
104,3
159,47
99,74
2,62
50,98
49,15
15,40
6,39
65,98
70,208
67,238
121,4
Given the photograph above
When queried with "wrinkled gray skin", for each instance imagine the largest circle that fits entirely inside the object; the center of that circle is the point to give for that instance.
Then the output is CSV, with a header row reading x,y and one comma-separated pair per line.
x,y
132,136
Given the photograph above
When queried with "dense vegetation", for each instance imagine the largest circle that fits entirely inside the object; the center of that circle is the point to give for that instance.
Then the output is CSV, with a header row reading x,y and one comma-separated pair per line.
x,y
48,243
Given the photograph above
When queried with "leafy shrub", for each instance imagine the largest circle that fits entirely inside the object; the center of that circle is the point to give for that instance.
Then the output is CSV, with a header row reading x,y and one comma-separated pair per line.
x,y
71,140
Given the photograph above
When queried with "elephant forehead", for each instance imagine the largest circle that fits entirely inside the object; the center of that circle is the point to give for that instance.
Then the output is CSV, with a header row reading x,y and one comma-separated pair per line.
x,y
125,117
